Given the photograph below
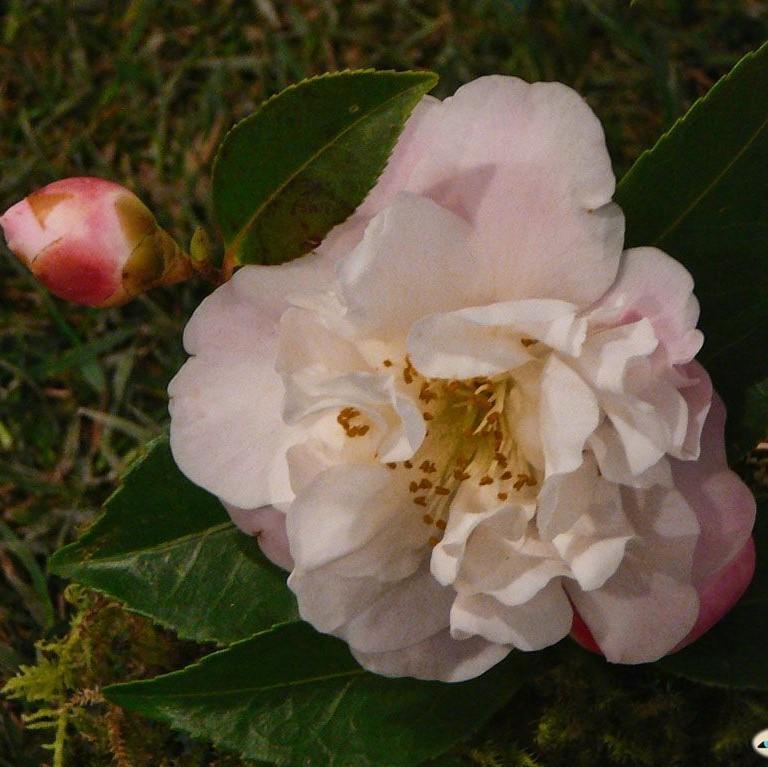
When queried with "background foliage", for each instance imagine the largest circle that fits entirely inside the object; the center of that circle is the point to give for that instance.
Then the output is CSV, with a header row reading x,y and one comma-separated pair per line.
x,y
142,92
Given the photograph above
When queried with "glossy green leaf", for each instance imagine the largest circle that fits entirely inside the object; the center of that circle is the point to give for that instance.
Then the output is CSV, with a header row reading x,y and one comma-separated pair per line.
x,y
732,654
306,159
701,194
167,549
293,697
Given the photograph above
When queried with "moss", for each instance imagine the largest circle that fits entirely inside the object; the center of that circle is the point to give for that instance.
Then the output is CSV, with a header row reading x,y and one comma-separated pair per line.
x,y
61,693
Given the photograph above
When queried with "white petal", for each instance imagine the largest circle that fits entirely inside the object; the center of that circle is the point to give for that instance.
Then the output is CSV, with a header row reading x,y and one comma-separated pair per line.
x,y
608,353
440,657
354,509
487,340
226,431
309,342
608,449
569,414
472,506
653,285
396,425
563,498
268,525
536,624
234,320
594,545
649,605
528,167
511,571
414,260
407,613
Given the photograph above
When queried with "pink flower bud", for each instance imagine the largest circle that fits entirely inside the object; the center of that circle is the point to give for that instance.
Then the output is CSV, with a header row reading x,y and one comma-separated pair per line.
x,y
92,242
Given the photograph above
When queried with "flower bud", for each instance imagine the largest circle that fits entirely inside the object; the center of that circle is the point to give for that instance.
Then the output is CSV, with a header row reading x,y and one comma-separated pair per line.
x,y
92,242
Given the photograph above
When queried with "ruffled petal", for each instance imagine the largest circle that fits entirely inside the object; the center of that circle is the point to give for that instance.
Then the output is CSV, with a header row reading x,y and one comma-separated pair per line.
x,y
568,413
439,657
227,433
540,622
649,605
493,339
724,506
407,613
512,158
355,509
414,260
653,285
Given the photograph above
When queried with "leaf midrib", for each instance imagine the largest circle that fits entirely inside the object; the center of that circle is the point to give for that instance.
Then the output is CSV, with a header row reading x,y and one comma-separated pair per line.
x,y
232,249
165,546
724,172
243,690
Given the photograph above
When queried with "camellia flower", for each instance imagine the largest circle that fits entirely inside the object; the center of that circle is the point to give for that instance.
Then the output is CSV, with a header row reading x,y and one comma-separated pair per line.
x,y
92,242
469,422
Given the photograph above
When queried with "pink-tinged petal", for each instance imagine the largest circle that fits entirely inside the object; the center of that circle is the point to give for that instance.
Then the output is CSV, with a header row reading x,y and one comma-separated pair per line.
x,y
412,261
268,525
488,340
92,242
75,271
227,431
439,657
651,284
697,392
649,605
512,158
724,506
568,413
227,434
723,590
537,623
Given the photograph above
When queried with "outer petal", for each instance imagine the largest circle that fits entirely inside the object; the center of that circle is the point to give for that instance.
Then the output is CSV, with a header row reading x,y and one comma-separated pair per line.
x,y
227,433
533,625
512,158
649,605
653,285
724,506
268,525
440,657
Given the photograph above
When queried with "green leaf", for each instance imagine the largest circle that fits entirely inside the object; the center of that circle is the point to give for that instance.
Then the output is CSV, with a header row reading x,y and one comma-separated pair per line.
x,y
167,549
294,697
701,194
306,159
732,654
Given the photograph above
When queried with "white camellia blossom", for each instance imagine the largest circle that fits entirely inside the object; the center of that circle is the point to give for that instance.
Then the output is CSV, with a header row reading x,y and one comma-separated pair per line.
x,y
469,414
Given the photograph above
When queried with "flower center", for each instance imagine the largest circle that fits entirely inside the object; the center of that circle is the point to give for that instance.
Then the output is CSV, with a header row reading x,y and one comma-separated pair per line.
x,y
468,440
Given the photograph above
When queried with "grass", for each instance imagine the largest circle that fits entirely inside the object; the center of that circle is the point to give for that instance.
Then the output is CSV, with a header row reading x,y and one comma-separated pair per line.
x,y
142,92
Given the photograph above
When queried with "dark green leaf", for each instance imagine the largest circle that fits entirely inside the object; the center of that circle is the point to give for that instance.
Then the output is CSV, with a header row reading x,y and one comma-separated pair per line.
x,y
701,194
167,550
732,654
294,697
306,159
